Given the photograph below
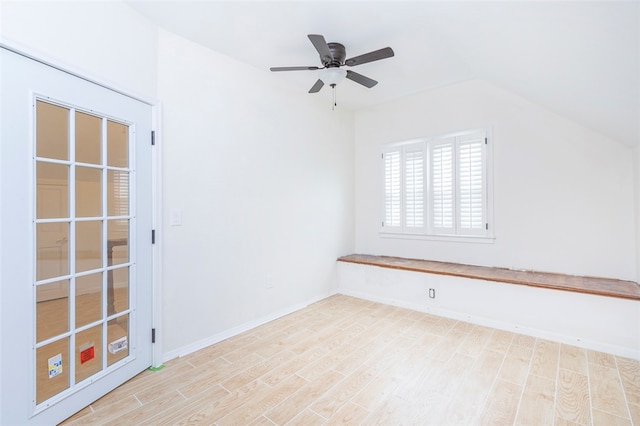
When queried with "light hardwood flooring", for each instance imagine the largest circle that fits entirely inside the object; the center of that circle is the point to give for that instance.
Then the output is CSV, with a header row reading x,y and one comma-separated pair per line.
x,y
349,361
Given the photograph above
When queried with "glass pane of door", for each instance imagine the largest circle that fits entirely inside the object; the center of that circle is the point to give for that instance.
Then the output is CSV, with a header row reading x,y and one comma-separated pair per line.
x,y
88,353
52,369
52,189
52,127
88,192
52,309
88,138
88,299
83,261
117,144
52,249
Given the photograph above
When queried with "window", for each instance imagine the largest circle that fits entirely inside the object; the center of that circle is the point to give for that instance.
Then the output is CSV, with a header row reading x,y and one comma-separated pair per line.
x,y
437,186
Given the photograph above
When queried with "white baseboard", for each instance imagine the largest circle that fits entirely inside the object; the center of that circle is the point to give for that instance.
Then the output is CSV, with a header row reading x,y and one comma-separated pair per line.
x,y
226,334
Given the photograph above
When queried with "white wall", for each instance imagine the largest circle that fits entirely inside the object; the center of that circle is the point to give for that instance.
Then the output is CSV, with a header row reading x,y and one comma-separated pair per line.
x,y
263,179
103,39
563,195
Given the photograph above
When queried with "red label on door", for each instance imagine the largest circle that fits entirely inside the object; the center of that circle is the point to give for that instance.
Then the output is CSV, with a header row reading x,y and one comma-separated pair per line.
x,y
86,355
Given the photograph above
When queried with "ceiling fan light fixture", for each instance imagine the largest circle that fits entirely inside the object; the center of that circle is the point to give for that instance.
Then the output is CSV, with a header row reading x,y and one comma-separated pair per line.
x,y
332,75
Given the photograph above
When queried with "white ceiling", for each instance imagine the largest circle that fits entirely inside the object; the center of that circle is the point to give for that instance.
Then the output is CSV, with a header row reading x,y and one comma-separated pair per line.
x,y
578,59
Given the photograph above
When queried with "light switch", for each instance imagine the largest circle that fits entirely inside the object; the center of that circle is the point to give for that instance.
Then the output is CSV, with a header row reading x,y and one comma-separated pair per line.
x,y
175,217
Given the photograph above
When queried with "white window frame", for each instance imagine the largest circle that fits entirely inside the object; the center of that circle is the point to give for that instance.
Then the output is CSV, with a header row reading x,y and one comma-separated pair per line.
x,y
456,231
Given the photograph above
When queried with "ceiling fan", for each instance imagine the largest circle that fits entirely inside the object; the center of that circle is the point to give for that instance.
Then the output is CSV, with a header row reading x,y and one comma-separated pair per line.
x,y
332,56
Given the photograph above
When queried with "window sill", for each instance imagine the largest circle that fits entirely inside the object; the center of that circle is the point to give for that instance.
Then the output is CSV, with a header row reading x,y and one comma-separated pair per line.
x,y
446,238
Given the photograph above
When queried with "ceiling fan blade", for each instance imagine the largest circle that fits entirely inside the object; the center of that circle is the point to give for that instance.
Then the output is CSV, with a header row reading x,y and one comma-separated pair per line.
x,y
376,55
321,46
361,79
316,87
294,68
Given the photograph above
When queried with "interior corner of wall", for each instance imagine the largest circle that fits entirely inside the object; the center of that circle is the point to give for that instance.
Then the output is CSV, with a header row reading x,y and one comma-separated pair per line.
x,y
636,180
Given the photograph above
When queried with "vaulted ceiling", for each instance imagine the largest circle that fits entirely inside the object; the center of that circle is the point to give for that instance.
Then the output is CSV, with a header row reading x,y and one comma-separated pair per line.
x,y
578,59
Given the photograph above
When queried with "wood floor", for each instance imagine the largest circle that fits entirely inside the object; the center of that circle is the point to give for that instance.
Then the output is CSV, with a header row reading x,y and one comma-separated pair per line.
x,y
348,361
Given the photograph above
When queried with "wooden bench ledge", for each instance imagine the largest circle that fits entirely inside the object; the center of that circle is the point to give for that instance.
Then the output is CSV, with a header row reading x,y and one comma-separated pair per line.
x,y
590,285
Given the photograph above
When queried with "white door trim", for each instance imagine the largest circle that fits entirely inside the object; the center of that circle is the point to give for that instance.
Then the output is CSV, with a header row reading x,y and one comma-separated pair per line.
x,y
156,124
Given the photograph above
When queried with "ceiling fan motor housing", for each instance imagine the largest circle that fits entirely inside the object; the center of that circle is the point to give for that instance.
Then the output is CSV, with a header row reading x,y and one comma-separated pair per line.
x,y
339,54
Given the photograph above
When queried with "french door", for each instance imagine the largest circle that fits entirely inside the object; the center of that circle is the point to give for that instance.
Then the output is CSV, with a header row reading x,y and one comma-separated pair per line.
x,y
75,231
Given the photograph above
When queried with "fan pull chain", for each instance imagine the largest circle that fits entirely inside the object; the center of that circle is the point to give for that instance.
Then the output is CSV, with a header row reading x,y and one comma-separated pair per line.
x,y
335,104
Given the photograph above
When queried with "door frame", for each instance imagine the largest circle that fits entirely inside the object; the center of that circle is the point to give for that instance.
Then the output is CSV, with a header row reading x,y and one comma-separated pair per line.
x,y
156,174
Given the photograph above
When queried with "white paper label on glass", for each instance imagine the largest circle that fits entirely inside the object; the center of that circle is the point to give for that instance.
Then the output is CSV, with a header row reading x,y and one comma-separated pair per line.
x,y
118,345
55,366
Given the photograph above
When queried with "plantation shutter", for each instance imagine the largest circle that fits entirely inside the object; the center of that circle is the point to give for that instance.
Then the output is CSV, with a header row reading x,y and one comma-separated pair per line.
x,y
414,162
442,186
471,185
392,187
437,187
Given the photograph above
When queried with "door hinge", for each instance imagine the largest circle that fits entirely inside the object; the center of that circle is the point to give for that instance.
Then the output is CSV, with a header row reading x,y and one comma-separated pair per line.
x,y
486,140
486,226
153,137
153,335
153,236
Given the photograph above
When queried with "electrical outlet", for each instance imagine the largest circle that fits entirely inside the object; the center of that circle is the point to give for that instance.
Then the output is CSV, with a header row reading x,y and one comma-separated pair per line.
x,y
268,282
432,293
